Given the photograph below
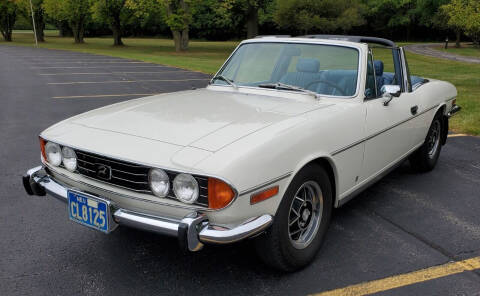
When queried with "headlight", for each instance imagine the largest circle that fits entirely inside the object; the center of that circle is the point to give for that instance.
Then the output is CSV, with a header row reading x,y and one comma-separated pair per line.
x,y
159,182
54,154
69,159
186,188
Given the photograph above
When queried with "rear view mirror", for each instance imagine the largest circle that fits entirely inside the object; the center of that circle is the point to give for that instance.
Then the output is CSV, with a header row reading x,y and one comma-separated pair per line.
x,y
389,92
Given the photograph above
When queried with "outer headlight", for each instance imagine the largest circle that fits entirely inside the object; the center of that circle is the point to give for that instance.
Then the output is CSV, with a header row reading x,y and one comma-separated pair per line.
x,y
69,159
186,188
54,154
159,182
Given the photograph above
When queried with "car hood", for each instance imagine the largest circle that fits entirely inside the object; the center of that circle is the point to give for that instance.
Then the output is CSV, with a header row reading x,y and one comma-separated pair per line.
x,y
205,119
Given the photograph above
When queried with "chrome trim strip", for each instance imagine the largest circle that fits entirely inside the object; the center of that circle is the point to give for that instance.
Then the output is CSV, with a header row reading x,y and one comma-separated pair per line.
x,y
380,132
375,179
255,188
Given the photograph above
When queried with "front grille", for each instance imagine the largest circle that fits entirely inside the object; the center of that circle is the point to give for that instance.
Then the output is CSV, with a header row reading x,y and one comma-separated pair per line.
x,y
129,175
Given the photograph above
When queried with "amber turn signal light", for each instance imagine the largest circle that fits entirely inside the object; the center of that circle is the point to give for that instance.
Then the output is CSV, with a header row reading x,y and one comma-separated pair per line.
x,y
220,194
42,148
263,195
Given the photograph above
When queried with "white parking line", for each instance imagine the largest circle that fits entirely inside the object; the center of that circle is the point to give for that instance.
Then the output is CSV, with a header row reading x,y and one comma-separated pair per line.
x,y
104,96
110,73
58,61
127,81
78,67
73,62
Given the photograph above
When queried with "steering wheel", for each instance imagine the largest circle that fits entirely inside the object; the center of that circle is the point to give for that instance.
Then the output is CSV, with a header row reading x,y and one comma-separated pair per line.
x,y
331,84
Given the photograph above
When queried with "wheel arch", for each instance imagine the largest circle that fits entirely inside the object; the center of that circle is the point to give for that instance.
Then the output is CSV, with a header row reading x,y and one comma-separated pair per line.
x,y
442,109
328,164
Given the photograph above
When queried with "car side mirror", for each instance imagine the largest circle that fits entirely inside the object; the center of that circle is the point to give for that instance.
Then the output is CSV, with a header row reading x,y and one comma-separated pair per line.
x,y
389,92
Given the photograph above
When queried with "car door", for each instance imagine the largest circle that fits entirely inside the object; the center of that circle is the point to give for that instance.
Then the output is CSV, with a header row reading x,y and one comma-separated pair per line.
x,y
388,126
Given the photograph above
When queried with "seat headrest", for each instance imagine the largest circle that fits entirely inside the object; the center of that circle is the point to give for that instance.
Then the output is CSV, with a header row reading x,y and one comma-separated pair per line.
x,y
308,65
378,68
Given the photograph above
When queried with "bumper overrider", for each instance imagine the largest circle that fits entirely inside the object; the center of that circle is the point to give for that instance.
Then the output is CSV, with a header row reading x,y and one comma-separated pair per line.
x,y
192,231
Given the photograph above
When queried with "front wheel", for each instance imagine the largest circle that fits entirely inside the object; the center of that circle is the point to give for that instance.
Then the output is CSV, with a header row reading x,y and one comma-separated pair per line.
x,y
300,223
426,157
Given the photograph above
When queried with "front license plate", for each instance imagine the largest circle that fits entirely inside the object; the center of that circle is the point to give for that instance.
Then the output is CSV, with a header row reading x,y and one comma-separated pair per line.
x,y
89,211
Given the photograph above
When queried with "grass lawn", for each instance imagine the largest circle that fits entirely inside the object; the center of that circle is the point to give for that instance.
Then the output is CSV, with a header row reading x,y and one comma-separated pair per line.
x,y
203,56
207,57
465,50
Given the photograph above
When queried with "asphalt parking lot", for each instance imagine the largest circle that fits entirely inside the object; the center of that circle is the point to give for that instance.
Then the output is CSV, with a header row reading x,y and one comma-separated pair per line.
x,y
405,223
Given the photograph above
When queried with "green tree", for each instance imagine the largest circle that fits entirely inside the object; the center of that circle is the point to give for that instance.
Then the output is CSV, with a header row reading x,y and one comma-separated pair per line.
x,y
472,27
179,18
393,14
8,15
38,13
114,13
248,11
75,12
428,13
456,13
324,16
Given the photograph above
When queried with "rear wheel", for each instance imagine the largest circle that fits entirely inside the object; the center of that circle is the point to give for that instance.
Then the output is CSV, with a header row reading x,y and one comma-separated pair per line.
x,y
426,157
300,223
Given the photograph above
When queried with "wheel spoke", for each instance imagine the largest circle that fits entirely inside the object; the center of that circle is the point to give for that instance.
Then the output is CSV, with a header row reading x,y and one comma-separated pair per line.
x,y
295,212
295,232
293,221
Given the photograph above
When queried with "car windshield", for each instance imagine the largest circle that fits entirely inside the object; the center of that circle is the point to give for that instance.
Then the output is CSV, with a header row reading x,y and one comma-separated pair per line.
x,y
321,69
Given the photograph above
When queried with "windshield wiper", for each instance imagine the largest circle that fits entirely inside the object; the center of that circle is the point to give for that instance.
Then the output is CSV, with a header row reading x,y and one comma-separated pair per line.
x,y
221,77
284,86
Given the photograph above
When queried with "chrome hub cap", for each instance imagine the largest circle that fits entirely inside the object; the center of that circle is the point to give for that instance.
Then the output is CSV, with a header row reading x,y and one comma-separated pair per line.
x,y
434,139
305,214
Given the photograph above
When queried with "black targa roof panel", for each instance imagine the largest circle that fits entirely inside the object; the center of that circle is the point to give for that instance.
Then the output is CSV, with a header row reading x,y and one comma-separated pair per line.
x,y
362,39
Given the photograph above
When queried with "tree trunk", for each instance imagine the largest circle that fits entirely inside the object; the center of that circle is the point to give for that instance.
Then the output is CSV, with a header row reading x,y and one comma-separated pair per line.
x,y
117,32
7,35
457,41
184,40
78,30
39,25
252,21
177,40
180,39
8,27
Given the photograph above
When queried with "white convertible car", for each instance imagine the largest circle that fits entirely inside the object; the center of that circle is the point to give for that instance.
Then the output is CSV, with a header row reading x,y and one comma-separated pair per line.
x,y
287,130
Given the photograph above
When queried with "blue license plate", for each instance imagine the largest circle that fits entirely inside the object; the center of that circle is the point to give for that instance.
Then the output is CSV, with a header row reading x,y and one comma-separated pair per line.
x,y
89,211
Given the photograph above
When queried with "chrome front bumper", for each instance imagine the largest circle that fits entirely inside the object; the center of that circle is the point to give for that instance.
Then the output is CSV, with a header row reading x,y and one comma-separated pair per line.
x,y
455,109
192,231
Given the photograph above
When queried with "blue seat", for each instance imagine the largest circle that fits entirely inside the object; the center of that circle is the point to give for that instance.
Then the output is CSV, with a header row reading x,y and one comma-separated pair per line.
x,y
307,71
378,65
346,80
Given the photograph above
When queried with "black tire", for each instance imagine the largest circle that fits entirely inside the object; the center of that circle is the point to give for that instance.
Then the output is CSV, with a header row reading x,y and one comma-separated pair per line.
x,y
275,247
426,157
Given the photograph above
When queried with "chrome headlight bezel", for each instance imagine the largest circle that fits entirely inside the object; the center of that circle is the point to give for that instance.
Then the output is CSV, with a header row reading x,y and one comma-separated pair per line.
x,y
53,151
186,188
161,177
69,159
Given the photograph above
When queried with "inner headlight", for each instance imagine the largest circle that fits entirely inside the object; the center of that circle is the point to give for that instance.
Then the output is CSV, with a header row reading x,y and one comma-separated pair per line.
x,y
185,188
159,182
54,153
69,159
